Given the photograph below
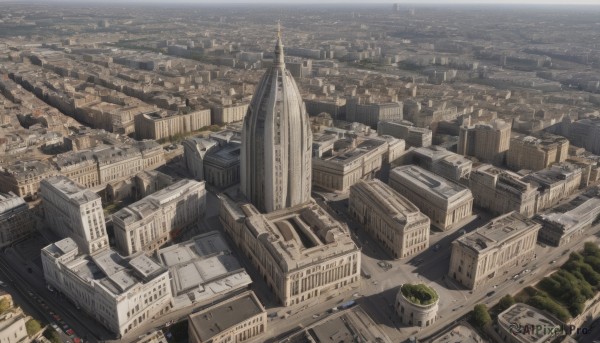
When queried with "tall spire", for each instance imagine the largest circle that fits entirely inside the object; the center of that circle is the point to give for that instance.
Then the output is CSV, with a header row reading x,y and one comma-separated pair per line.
x,y
279,61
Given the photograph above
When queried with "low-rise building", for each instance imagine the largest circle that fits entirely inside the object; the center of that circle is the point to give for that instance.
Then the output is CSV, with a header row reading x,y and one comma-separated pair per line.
x,y
301,252
202,270
555,183
417,305
148,224
500,191
215,160
352,159
462,332
341,326
443,162
392,220
533,153
522,323
12,323
570,221
504,244
402,129
76,212
23,177
444,201
16,221
235,320
157,125
121,293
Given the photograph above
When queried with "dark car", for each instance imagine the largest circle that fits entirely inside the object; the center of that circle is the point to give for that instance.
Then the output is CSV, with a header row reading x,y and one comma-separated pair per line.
x,y
489,294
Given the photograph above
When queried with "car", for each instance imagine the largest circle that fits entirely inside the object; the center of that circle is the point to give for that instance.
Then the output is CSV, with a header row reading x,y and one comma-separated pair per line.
x,y
2,284
70,332
553,262
522,281
56,317
436,247
489,294
462,232
65,327
54,326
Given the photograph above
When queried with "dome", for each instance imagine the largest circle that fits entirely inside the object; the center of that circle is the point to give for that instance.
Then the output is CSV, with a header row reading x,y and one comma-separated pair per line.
x,y
276,141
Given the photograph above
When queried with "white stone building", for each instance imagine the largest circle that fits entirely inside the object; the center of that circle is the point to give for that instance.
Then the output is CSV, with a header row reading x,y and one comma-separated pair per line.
x,y
392,220
148,224
76,212
120,293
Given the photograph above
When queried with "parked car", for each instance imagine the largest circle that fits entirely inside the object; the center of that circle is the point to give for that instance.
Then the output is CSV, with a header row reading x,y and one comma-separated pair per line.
x,y
489,294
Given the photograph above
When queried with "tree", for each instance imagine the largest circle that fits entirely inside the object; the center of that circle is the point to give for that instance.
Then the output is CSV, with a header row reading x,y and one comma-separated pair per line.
x,y
506,302
481,316
32,326
52,335
4,304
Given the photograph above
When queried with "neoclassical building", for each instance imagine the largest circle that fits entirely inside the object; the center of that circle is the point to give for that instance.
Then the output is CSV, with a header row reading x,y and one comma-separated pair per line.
x,y
76,212
120,293
301,252
276,142
151,222
396,223
502,245
445,202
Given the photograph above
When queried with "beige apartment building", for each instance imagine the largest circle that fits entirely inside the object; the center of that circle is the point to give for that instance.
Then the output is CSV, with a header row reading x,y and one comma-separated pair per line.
x,y
23,177
533,153
148,224
555,183
157,126
118,292
12,323
239,319
390,218
346,161
487,142
501,191
445,202
301,251
16,221
72,210
493,250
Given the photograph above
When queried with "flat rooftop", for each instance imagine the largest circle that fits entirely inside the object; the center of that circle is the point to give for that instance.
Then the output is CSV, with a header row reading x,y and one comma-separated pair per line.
x,y
203,267
525,315
71,190
498,231
421,180
459,334
227,314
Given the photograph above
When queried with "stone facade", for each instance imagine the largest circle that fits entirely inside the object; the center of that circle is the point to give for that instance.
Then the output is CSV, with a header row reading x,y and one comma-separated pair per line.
x,y
23,177
413,314
301,252
443,162
148,224
351,159
487,142
445,202
414,136
120,293
500,191
555,184
361,110
532,153
389,218
156,126
215,160
76,212
570,221
276,142
497,248
16,221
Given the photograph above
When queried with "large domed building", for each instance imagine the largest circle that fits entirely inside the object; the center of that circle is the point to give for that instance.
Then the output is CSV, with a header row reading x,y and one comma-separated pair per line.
x,y
300,250
276,141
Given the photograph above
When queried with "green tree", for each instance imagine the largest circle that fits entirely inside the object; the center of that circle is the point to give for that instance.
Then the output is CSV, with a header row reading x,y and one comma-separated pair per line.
x,y
52,335
506,302
32,326
481,316
4,304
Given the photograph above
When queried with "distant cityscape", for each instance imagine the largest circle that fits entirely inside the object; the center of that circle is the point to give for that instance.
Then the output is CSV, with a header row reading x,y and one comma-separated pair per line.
x,y
299,173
